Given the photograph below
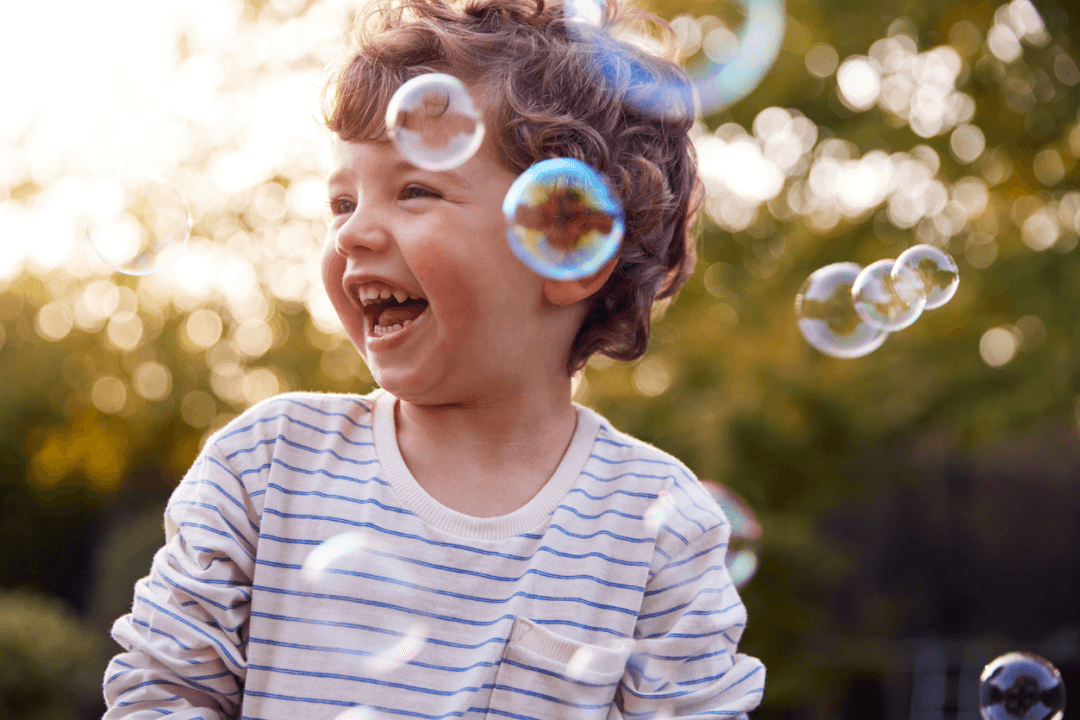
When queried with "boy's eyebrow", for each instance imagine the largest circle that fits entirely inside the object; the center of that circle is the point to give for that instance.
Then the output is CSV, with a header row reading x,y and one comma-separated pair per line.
x,y
401,166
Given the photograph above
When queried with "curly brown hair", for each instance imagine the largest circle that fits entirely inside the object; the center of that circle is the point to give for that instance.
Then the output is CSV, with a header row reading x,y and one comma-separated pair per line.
x,y
551,86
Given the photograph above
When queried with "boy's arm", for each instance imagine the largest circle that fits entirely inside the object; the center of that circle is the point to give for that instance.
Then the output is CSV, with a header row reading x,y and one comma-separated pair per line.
x,y
684,663
186,635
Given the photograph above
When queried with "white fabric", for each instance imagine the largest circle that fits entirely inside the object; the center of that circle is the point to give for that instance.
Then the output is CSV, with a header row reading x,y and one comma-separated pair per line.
x,y
605,596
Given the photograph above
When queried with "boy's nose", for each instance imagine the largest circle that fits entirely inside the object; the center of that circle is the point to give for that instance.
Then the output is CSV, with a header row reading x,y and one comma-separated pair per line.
x,y
363,231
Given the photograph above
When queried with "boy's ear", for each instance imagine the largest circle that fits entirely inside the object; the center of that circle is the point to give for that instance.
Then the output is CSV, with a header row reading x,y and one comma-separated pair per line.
x,y
568,292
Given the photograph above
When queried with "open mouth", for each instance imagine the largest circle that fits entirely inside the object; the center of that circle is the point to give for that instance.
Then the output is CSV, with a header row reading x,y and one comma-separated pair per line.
x,y
386,315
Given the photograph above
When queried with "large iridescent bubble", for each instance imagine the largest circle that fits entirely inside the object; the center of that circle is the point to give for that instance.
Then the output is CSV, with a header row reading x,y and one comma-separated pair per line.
x,y
826,313
714,84
720,85
562,219
434,123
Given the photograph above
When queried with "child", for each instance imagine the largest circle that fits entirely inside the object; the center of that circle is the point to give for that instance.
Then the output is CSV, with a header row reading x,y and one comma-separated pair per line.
x,y
511,554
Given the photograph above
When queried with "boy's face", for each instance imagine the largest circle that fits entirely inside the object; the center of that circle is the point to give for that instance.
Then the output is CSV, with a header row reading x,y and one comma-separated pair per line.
x,y
477,325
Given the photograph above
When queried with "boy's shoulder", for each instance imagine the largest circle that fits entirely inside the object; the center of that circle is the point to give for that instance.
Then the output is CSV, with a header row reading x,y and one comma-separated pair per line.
x,y
659,473
313,410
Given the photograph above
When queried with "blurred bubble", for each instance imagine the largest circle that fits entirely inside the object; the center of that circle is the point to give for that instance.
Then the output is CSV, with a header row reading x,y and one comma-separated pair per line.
x,y
998,346
579,662
826,313
743,545
1021,686
434,122
137,223
658,511
357,713
562,220
877,301
933,275
400,652
329,552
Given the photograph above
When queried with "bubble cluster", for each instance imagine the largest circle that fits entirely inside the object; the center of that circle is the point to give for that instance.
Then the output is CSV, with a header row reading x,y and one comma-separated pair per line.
x,y
1021,686
742,554
137,223
562,220
847,311
434,123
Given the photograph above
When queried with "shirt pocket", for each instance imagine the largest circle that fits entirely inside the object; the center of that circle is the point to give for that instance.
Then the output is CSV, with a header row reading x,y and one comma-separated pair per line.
x,y
546,676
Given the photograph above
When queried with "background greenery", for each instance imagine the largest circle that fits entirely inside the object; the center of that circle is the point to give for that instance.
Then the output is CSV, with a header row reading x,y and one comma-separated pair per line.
x,y
924,496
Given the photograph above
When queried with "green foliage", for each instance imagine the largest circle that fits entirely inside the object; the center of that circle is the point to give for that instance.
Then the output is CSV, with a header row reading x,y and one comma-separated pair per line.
x,y
50,664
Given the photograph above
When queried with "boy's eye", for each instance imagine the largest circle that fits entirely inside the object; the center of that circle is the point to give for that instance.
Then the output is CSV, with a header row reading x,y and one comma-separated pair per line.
x,y
412,192
340,206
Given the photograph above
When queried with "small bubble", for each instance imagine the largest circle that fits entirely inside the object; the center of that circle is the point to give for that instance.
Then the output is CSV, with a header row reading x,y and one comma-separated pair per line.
x,y
935,272
329,552
1021,686
878,302
399,653
743,545
137,223
826,313
434,122
563,221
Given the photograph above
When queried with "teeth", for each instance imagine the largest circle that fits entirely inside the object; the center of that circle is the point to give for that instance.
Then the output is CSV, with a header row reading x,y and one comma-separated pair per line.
x,y
382,330
370,294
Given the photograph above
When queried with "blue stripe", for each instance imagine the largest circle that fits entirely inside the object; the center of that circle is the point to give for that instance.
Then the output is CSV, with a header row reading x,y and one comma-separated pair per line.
x,y
455,546
358,626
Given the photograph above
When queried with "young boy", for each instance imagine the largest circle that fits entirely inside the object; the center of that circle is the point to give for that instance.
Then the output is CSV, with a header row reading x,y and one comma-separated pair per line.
x,y
511,554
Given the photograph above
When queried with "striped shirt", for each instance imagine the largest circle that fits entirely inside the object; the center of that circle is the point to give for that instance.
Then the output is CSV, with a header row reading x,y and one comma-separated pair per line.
x,y
306,574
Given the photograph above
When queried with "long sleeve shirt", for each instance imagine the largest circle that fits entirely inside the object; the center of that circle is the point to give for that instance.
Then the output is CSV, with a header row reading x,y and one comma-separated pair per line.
x,y
306,574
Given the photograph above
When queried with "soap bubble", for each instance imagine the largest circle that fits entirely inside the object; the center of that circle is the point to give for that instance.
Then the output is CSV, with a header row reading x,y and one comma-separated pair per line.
x,y
434,122
927,271
742,552
827,316
877,301
398,652
562,220
720,85
137,223
1021,686
717,81
328,553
